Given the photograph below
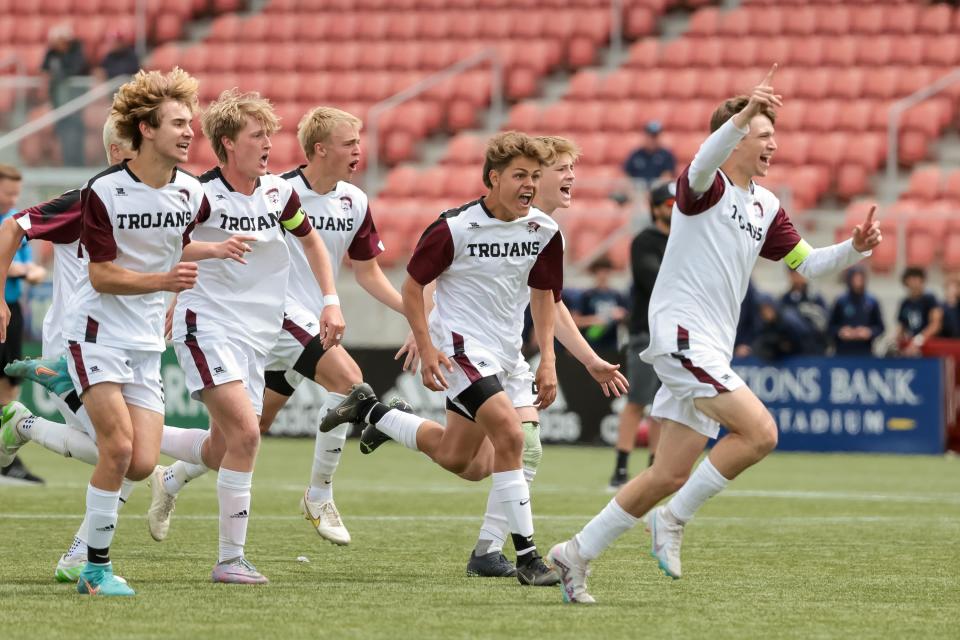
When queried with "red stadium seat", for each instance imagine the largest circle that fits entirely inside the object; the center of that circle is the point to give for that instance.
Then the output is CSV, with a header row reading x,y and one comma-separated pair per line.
x,y
823,116
558,118
901,19
765,21
737,53
800,21
643,54
616,85
942,50
677,53
934,19
401,182
734,24
868,20
833,20
855,115
951,253
907,50
913,147
847,83
840,51
851,181
924,184
815,84
585,85
682,84
705,22
620,116
524,117
951,185
640,22
649,84
810,54
881,83
827,149
875,50
709,51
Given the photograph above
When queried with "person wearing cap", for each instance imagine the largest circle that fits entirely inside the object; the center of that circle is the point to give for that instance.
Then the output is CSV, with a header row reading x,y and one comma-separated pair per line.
x,y
652,161
646,254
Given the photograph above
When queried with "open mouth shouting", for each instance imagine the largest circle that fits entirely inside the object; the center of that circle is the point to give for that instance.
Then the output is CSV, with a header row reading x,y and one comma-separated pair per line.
x,y
525,198
765,160
565,191
354,165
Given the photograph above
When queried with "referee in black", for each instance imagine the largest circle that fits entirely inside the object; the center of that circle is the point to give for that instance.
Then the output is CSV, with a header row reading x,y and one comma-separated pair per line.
x,y
646,255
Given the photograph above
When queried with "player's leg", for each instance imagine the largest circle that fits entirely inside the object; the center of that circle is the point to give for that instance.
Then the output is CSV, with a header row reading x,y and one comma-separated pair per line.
x,y
630,417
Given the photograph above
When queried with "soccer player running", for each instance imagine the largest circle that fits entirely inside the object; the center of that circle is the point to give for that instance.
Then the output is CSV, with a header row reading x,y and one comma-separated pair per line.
x,y
136,223
59,222
483,257
340,213
722,222
226,325
554,192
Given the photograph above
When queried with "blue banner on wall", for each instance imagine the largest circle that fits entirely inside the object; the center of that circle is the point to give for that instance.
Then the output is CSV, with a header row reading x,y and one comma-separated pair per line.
x,y
893,405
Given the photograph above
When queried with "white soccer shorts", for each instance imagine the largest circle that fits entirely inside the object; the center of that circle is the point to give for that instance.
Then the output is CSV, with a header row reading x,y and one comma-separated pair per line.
x,y
138,372
470,366
688,375
209,361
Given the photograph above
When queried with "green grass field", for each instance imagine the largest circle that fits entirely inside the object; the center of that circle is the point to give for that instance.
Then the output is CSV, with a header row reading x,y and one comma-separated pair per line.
x,y
802,546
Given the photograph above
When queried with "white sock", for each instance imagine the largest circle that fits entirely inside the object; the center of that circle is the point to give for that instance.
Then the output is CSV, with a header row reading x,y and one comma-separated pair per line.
x,y
326,454
78,547
59,438
180,473
79,544
101,518
183,444
233,492
608,525
495,529
704,483
401,427
126,488
513,494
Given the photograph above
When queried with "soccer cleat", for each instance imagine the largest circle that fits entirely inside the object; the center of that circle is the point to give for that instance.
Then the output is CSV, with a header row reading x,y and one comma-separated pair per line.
x,y
617,480
349,408
325,519
237,571
161,505
573,571
98,580
490,565
371,437
10,438
69,568
535,573
666,535
51,373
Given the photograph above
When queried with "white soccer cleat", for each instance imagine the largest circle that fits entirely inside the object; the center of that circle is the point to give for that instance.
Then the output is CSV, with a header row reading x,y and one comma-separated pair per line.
x,y
10,438
69,567
325,519
566,561
666,536
161,505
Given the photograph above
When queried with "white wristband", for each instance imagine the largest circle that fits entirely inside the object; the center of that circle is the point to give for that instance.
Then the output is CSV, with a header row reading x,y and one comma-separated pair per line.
x,y
331,299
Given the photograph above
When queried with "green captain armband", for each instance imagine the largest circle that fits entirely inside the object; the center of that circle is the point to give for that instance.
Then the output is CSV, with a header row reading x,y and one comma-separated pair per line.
x,y
295,221
798,254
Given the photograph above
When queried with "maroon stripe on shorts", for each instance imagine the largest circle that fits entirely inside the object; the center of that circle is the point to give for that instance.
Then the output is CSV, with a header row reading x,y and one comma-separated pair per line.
x,y
199,360
460,357
299,334
700,374
93,327
77,356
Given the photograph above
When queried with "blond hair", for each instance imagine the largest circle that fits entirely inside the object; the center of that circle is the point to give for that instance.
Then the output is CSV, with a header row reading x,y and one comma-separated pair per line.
x,y
110,136
140,100
10,172
504,147
226,117
558,146
317,125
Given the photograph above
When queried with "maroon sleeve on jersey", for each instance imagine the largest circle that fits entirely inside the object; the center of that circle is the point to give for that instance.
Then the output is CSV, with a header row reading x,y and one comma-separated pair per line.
x,y
547,272
366,242
290,211
57,220
781,238
97,231
202,214
691,203
434,253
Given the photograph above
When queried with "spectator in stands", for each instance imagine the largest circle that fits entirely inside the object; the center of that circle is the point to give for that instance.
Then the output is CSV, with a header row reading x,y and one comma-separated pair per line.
x,y
856,320
811,309
951,307
20,268
121,58
65,60
601,308
749,324
782,331
920,316
651,162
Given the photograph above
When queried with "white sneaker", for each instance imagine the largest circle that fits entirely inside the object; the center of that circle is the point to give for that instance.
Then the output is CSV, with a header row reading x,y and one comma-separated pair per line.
x,y
565,559
69,567
666,535
325,519
161,505
10,438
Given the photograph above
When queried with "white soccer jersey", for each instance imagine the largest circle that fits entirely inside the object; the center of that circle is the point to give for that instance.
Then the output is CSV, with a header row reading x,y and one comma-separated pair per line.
x,y
57,221
242,301
715,240
342,218
483,267
139,228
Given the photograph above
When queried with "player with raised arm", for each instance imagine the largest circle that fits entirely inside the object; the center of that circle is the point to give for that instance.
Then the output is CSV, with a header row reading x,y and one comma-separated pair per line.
x,y
340,213
225,326
722,222
483,257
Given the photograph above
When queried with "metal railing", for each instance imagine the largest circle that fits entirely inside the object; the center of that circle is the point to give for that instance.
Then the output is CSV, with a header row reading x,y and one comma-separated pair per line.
x,y
491,55
893,126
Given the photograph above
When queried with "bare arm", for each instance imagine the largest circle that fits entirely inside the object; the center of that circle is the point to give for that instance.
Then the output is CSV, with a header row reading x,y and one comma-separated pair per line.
x,y
415,311
543,311
11,235
233,248
108,277
606,374
332,323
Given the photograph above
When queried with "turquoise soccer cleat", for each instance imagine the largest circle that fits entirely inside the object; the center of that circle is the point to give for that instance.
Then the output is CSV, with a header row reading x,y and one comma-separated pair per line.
x,y
98,580
51,374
